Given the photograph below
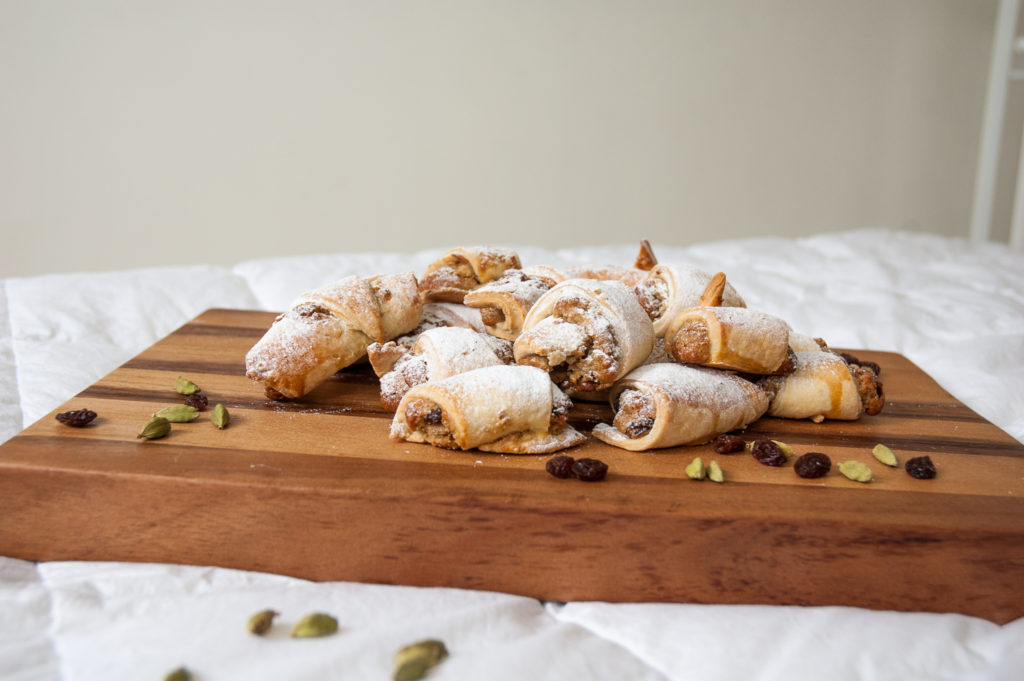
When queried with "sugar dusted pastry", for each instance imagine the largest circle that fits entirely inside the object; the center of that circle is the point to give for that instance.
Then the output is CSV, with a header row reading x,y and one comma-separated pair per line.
x,y
668,290
504,303
822,386
665,405
329,329
464,269
730,338
439,353
383,356
586,333
508,409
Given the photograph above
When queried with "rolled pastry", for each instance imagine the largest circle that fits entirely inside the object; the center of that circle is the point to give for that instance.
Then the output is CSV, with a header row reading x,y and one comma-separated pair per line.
x,y
463,269
438,353
504,303
730,338
507,409
383,356
665,405
329,328
824,386
669,290
586,333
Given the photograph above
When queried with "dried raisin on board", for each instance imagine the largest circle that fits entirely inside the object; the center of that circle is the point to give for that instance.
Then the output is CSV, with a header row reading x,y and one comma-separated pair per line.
x,y
76,418
812,465
590,470
920,467
727,444
198,401
560,466
768,453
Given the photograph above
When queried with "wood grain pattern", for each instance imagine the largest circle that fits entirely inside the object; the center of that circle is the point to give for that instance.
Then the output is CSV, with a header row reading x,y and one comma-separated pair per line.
x,y
315,489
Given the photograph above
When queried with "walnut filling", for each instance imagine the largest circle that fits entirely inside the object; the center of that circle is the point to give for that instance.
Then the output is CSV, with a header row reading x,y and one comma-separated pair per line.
x,y
869,388
634,416
491,316
456,274
652,296
575,346
692,344
426,417
431,421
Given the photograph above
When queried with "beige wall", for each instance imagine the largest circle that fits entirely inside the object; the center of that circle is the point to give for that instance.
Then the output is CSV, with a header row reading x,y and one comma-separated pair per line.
x,y
150,133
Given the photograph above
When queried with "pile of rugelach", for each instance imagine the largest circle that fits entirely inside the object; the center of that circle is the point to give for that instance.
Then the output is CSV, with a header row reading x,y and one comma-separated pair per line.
x,y
480,352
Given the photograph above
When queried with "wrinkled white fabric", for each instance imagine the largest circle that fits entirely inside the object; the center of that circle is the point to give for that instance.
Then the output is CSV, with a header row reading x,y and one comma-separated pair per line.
x,y
955,308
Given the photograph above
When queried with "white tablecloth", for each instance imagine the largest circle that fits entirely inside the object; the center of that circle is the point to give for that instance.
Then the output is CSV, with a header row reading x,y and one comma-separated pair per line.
x,y
954,308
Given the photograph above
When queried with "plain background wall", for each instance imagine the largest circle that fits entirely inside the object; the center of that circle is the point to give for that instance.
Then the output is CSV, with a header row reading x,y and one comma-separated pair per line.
x,y
152,133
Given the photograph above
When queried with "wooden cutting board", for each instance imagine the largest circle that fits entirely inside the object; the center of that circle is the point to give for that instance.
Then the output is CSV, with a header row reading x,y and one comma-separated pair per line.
x,y
315,489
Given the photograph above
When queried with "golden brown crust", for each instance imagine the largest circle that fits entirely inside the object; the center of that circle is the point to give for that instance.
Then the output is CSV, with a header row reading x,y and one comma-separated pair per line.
x,y
460,270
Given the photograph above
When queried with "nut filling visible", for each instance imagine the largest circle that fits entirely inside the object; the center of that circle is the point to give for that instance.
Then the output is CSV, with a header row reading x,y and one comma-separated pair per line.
x,y
457,274
652,296
431,421
634,416
591,361
692,343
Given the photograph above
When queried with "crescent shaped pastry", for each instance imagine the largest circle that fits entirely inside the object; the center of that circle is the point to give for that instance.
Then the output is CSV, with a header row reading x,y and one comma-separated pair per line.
x,y
733,338
824,386
669,290
437,354
329,328
507,409
586,333
463,269
504,303
383,356
665,405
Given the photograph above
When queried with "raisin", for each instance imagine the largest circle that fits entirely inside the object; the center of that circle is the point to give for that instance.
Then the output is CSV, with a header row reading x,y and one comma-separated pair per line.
x,y
434,416
77,418
590,470
812,465
560,466
197,400
727,444
768,453
639,427
921,467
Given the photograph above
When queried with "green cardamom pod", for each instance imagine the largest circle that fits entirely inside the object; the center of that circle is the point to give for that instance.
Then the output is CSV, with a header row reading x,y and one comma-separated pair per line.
x,y
185,386
155,428
179,413
786,449
885,455
695,469
259,623
179,674
315,624
715,472
220,416
414,661
855,470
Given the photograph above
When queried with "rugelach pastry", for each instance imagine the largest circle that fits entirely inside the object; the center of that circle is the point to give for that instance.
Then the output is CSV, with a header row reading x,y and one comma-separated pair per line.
x,y
463,269
329,329
586,333
822,386
440,353
665,405
733,338
669,290
383,356
504,303
507,409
